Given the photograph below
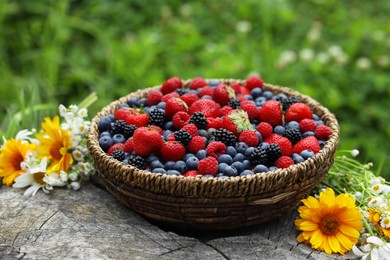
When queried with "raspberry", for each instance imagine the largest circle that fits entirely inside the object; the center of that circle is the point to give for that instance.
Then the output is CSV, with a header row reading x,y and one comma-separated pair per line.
x,y
254,82
214,122
199,120
189,98
250,108
310,143
167,97
225,137
215,149
225,110
197,143
180,119
191,173
307,125
171,85
206,91
298,112
265,129
172,151
323,132
208,165
249,137
114,147
154,97
183,136
198,83
284,162
118,154
191,129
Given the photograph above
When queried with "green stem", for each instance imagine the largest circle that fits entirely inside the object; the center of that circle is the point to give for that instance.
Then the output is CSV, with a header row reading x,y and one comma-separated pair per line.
x,y
89,100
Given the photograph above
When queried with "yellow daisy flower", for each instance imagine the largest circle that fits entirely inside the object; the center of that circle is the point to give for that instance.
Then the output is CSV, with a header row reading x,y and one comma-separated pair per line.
x,y
55,143
13,153
330,223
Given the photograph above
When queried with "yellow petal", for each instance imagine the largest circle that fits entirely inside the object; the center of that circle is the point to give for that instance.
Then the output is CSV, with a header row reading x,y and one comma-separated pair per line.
x,y
317,238
334,243
327,248
345,242
311,202
300,238
308,226
349,231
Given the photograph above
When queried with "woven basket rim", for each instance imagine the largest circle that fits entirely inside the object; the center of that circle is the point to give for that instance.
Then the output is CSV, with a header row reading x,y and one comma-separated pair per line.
x,y
323,155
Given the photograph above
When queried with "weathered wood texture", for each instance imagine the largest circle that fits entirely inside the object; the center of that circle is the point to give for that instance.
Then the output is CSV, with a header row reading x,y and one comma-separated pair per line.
x,y
90,224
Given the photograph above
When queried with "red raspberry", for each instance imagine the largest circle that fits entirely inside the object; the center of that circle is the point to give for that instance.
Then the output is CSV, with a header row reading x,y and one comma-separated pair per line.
x,y
249,137
225,110
208,165
298,112
215,149
191,173
167,97
284,144
254,82
117,146
271,112
154,97
129,146
265,129
214,122
309,142
284,162
245,91
206,90
306,125
191,129
189,98
197,143
180,119
172,151
198,83
236,87
323,132
250,108
171,85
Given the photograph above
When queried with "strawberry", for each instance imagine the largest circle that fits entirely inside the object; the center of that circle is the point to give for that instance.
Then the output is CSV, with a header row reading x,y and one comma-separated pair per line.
x,y
214,122
250,108
146,140
208,165
180,119
167,97
309,142
153,97
223,94
191,173
157,128
271,113
121,113
215,149
173,106
249,137
129,145
306,125
225,110
191,129
117,146
254,82
171,137
265,129
189,98
197,83
206,90
236,87
245,91
284,162
298,111
322,132
171,85
237,121
137,117
172,151
206,106
284,144
197,143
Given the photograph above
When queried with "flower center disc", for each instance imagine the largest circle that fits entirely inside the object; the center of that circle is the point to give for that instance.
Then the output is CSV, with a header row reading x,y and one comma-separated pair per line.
x,y
38,177
329,225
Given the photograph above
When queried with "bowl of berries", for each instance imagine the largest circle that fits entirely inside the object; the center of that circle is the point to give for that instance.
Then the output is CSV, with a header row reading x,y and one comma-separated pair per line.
x,y
213,153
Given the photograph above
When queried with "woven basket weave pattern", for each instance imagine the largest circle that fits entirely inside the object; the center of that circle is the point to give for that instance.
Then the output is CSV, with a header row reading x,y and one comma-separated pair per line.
x,y
214,203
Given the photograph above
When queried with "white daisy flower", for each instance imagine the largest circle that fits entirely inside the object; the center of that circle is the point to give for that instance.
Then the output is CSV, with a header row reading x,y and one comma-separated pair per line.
x,y
75,185
54,180
73,176
78,155
73,108
306,55
375,202
63,176
355,152
385,222
83,112
62,109
286,58
34,177
377,250
377,188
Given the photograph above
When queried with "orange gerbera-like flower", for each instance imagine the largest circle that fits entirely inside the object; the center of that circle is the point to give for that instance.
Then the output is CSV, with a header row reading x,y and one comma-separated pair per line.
x,y
12,154
375,217
330,223
55,143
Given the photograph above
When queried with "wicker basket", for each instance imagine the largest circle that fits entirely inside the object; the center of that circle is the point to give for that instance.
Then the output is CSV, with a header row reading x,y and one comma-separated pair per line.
x,y
213,203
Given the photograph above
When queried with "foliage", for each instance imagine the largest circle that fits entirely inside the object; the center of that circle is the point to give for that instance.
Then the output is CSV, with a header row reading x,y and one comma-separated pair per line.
x,y
54,52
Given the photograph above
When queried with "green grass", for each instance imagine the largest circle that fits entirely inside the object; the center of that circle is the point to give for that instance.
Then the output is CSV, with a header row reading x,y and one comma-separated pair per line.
x,y
54,52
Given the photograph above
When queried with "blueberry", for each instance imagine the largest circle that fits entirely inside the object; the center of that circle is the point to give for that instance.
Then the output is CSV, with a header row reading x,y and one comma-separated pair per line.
x,y
292,125
248,152
264,145
192,163
173,172
188,155
239,166
280,96
201,154
213,82
230,171
106,133
204,133
246,164
260,168
156,164
230,150
123,105
207,97
142,102
161,105
105,142
169,126
104,124
159,170
256,92
181,166
249,97
241,147
239,157
297,158
246,172
112,118
321,143
220,174
308,133
267,94
151,158
223,177
208,176
260,101
319,122
306,154
259,136
273,168
211,131
225,158
118,138
166,134
222,166
279,130
170,165
315,117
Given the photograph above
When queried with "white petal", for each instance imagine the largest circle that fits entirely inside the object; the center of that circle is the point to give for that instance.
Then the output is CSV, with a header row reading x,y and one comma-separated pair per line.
x,y
23,180
375,240
357,252
384,253
374,254
31,191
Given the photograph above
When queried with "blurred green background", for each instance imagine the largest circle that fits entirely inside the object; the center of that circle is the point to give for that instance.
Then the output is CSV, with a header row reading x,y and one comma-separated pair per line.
x,y
338,52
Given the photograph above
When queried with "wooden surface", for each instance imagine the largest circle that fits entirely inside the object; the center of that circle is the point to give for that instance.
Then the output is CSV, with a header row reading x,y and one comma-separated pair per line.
x,y
91,224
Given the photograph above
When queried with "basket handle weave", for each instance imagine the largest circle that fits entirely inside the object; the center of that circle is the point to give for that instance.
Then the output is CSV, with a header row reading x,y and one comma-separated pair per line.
x,y
273,199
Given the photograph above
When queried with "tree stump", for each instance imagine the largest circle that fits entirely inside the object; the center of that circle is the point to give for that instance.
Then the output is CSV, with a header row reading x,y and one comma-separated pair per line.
x,y
91,224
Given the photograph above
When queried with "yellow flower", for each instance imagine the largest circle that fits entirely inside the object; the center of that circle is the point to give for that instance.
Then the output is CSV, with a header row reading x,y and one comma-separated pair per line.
x,y
55,143
375,217
13,153
330,223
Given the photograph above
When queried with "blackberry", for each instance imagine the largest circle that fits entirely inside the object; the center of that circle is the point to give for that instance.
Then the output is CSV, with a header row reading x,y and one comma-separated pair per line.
x,y
156,117
118,154
273,152
287,102
129,131
234,103
137,161
199,120
118,127
183,136
258,156
293,134
225,136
